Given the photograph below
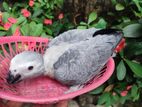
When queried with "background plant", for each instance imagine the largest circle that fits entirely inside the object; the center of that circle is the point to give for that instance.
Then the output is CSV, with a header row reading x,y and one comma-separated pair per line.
x,y
126,82
44,16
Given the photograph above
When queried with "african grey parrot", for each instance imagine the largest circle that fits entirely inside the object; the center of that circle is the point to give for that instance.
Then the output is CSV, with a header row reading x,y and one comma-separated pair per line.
x,y
73,58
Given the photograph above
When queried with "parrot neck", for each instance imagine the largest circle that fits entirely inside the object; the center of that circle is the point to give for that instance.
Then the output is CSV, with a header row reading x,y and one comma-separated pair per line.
x,y
52,55
49,73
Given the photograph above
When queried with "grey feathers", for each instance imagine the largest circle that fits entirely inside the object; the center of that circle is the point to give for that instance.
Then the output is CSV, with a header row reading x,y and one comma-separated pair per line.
x,y
85,59
73,36
26,55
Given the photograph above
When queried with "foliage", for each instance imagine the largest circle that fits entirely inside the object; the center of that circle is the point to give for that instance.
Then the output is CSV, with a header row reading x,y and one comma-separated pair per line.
x,y
127,79
45,18
101,23
39,14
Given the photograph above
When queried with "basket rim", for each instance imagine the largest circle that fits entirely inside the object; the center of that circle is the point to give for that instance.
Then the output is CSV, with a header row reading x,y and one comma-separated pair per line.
x,y
7,39
109,71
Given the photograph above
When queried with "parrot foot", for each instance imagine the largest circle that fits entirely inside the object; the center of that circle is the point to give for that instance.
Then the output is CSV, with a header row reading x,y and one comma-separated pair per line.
x,y
74,88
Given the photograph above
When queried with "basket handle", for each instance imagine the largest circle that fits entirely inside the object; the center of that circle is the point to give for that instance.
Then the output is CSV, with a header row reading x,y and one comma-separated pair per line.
x,y
17,32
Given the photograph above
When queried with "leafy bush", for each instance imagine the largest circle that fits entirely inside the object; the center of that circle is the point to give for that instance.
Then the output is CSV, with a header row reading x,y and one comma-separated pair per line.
x,y
126,82
45,18
42,16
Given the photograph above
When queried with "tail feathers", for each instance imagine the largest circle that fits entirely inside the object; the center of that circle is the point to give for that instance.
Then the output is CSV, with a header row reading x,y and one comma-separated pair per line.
x,y
120,45
107,32
118,36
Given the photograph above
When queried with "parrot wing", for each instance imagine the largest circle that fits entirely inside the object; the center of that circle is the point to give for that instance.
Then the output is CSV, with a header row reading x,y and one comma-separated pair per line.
x,y
84,60
73,36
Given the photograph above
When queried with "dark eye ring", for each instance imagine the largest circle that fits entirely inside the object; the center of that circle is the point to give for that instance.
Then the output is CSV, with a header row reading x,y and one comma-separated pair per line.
x,y
30,67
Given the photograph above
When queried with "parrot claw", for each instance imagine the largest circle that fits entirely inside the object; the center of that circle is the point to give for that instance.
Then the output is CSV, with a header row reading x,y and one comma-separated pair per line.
x,y
74,88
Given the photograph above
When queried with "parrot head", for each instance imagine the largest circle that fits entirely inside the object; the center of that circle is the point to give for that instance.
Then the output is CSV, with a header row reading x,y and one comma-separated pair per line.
x,y
27,64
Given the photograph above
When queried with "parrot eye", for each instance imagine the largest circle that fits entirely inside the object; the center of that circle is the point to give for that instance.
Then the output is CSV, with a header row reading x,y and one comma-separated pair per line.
x,y
30,67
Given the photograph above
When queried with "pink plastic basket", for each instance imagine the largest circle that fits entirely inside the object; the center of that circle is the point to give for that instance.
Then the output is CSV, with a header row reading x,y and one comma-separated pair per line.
x,y
41,89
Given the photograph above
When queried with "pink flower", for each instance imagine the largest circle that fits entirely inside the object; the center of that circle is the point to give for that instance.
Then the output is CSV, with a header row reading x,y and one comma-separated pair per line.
x,y
12,20
47,21
61,15
25,12
7,25
129,87
0,19
17,32
31,3
124,93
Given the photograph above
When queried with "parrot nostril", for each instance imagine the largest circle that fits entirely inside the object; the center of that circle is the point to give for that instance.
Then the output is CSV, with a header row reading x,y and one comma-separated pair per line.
x,y
18,76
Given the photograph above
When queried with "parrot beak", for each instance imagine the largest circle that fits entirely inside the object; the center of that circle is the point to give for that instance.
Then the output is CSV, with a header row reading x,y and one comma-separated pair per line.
x,y
13,79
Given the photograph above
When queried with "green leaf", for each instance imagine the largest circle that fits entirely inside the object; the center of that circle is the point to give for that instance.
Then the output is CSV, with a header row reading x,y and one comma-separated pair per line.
x,y
5,6
121,70
123,99
139,83
103,98
25,29
83,23
43,35
98,90
2,28
39,29
82,27
126,19
109,102
37,4
13,28
37,12
2,33
137,96
32,26
5,16
119,7
101,24
133,30
21,19
35,29
137,4
134,92
115,98
134,48
113,2
49,16
56,28
138,14
135,67
49,31
47,5
92,17
121,53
